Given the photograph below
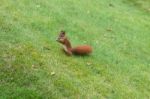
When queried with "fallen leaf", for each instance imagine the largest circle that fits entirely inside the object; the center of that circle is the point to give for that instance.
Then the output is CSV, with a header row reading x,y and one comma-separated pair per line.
x,y
88,63
52,73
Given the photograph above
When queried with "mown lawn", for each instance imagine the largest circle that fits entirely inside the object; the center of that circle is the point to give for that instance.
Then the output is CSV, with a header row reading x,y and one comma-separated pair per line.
x,y
33,66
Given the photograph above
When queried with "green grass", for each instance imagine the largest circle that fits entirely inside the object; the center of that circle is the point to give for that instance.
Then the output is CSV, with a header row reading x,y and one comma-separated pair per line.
x,y
118,68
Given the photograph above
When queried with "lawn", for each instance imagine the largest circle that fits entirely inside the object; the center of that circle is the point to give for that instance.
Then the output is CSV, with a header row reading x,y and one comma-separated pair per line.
x,y
32,65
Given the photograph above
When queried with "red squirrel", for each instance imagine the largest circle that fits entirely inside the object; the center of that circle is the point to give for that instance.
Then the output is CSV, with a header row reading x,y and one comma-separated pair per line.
x,y
79,50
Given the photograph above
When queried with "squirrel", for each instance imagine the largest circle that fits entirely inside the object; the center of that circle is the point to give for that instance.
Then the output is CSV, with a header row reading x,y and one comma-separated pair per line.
x,y
79,50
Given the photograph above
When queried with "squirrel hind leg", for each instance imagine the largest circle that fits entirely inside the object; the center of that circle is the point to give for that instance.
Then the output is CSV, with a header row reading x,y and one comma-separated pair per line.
x,y
68,53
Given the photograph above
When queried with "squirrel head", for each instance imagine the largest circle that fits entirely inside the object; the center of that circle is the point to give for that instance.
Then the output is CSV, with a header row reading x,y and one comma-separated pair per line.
x,y
61,38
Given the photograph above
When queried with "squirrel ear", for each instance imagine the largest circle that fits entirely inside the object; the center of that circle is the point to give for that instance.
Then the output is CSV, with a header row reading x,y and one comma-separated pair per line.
x,y
63,32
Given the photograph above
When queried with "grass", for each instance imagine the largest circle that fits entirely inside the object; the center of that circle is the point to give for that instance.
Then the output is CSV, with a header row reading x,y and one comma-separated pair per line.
x,y
118,68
